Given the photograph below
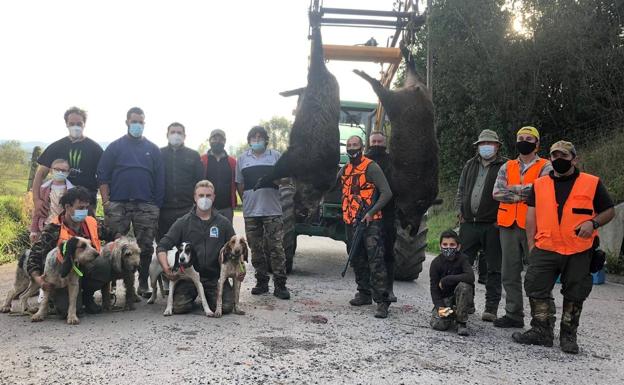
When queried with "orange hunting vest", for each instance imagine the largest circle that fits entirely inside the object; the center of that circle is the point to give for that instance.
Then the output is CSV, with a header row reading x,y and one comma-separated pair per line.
x,y
356,190
89,227
508,213
560,237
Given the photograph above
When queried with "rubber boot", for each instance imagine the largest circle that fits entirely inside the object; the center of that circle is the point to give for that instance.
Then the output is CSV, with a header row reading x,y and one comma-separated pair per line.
x,y
462,329
390,282
361,299
542,324
262,284
569,324
89,303
280,290
382,310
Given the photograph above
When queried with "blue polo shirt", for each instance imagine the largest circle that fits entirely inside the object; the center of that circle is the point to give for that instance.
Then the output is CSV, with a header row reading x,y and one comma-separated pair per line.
x,y
249,168
134,171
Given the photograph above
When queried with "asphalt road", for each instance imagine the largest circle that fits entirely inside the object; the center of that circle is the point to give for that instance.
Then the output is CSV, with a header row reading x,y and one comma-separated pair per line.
x,y
289,342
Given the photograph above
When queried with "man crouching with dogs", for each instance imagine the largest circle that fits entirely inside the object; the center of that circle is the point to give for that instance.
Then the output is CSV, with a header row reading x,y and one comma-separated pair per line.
x,y
207,231
72,222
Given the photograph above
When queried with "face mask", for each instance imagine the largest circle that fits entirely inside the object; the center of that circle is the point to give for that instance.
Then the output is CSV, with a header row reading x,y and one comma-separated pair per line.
x,y
448,252
258,146
377,150
75,132
175,139
80,215
525,148
217,147
135,129
204,204
562,165
59,176
354,153
487,151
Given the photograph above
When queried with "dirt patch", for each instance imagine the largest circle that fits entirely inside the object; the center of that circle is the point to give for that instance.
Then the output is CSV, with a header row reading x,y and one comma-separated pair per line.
x,y
315,319
285,345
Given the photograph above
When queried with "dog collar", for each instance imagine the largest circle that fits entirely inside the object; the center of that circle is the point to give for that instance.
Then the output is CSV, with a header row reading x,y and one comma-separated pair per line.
x,y
77,270
242,268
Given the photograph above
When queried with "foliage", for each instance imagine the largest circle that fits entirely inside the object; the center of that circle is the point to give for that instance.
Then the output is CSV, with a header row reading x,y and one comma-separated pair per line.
x,y
603,157
13,168
14,220
278,128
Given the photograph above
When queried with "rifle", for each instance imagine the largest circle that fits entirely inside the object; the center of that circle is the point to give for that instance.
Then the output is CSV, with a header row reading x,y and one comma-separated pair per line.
x,y
358,234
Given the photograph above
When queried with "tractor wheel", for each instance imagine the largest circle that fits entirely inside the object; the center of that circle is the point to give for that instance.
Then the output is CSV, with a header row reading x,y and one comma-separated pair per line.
x,y
289,242
409,252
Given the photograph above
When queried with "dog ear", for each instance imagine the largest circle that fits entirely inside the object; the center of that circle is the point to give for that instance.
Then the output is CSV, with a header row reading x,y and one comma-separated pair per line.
x,y
68,250
221,254
117,257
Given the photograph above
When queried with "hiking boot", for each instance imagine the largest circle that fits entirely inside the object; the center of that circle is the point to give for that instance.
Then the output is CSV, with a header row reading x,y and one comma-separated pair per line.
x,y
462,329
390,282
143,290
540,334
506,322
569,325
261,287
361,300
90,306
281,291
489,315
382,310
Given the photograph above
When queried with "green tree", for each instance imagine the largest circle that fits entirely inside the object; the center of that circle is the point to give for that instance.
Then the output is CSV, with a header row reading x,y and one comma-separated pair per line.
x,y
278,128
13,168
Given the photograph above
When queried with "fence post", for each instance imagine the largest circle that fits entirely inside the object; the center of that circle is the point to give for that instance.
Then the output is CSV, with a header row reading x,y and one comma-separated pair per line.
x,y
33,166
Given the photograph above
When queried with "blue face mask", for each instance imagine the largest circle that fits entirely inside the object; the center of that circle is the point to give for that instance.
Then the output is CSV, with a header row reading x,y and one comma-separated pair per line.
x,y
135,129
80,215
487,151
258,146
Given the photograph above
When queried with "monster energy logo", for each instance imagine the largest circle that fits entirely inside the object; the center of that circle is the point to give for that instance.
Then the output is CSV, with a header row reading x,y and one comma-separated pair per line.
x,y
74,158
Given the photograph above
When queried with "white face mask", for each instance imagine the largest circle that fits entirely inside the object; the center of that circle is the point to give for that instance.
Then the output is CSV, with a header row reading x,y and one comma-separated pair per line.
x,y
175,139
75,132
487,151
204,204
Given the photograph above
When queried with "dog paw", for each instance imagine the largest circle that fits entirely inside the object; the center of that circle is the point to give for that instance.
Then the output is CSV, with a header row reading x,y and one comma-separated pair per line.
x,y
217,314
5,309
72,320
167,312
37,317
238,312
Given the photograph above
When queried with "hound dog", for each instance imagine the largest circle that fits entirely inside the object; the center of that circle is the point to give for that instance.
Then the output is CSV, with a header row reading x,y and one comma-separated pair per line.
x,y
232,260
22,280
125,256
62,269
180,260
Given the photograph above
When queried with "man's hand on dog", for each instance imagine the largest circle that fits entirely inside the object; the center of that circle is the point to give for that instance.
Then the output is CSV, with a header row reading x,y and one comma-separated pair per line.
x,y
171,275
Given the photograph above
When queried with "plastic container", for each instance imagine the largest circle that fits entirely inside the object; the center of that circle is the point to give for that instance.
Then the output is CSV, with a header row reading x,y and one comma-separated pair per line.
x,y
598,278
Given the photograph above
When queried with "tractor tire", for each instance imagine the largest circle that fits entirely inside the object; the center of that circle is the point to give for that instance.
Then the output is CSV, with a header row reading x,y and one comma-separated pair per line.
x,y
409,252
289,242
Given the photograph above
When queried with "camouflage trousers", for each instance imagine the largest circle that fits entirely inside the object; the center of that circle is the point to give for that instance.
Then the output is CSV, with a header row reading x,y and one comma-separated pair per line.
x,y
185,294
264,235
368,262
144,220
461,301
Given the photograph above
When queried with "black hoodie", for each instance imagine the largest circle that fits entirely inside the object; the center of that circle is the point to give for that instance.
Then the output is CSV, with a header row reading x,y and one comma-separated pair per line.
x,y
450,272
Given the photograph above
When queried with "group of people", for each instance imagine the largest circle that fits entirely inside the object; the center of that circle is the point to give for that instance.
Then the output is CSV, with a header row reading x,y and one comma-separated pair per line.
x,y
543,213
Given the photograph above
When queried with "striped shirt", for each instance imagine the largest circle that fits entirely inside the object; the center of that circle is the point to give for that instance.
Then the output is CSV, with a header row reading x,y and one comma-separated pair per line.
x,y
249,168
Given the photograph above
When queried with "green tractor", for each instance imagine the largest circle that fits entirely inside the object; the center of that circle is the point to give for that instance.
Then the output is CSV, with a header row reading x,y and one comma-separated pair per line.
x,y
356,118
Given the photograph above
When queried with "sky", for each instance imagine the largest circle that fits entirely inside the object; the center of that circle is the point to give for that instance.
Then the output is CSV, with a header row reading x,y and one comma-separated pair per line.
x,y
206,64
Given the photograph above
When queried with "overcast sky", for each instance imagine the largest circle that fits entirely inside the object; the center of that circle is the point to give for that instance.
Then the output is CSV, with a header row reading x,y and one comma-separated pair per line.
x,y
207,64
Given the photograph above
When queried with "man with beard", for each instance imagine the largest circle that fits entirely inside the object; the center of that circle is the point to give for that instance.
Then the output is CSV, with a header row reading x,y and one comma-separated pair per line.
x,y
220,169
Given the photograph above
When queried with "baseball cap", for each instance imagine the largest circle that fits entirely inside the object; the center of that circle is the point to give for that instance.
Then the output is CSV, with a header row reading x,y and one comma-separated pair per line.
x,y
217,132
565,147
529,130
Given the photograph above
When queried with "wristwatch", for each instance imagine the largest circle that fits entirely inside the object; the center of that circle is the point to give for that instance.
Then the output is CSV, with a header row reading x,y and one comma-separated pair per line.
x,y
595,223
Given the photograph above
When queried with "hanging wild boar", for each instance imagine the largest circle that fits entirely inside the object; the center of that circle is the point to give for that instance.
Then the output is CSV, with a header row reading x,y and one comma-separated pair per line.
x,y
313,152
413,145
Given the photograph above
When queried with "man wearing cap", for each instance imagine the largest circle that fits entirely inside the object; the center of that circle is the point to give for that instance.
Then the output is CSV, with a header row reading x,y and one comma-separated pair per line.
x,y
220,169
565,209
513,184
477,211
183,170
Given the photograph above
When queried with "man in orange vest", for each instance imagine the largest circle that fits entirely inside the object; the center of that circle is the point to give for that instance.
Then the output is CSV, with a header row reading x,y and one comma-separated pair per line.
x,y
362,181
513,183
565,209
73,221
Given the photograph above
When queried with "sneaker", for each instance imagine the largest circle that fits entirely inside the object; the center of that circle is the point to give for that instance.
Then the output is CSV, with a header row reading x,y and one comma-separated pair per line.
x,y
361,300
382,310
488,315
462,329
281,292
506,322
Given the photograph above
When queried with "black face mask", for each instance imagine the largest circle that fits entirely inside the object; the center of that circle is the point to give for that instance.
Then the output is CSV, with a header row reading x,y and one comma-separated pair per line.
x,y
561,165
525,148
376,150
217,147
354,153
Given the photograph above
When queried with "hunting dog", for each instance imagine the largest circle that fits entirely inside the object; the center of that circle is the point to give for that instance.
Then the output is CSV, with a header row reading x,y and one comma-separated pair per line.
x,y
125,256
62,269
22,280
232,260
180,260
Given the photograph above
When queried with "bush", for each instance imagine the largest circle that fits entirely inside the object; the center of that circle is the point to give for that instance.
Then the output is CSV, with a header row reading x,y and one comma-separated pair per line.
x,y
14,222
604,159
